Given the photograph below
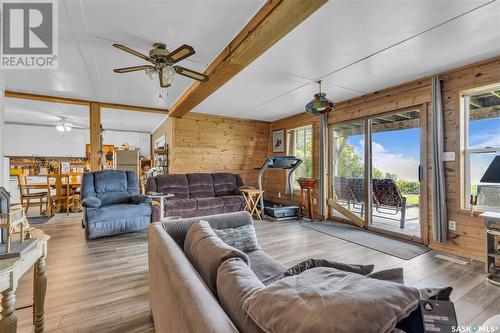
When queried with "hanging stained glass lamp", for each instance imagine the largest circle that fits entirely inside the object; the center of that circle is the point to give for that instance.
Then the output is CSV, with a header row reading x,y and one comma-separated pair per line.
x,y
320,104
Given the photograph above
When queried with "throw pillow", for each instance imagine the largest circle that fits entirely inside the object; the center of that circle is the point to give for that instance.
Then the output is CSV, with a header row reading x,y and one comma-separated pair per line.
x,y
329,300
206,252
392,275
235,283
312,263
243,238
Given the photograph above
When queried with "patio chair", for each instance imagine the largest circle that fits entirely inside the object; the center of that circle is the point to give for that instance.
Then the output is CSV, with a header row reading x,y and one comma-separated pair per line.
x,y
386,195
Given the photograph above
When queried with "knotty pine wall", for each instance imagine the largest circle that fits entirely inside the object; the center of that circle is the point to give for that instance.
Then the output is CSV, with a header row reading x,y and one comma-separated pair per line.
x,y
206,143
468,240
275,180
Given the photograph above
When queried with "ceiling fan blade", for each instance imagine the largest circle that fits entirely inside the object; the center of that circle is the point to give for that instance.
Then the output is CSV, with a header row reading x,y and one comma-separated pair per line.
x,y
163,80
191,74
180,53
129,50
132,69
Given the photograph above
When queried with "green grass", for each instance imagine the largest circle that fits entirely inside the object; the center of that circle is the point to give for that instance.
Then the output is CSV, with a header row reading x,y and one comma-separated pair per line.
x,y
412,199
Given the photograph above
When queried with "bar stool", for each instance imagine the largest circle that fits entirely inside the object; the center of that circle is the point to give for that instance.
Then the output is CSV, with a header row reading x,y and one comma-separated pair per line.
x,y
306,188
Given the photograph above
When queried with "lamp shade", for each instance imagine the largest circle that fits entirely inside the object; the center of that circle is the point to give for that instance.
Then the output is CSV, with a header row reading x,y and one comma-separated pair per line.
x,y
492,174
319,105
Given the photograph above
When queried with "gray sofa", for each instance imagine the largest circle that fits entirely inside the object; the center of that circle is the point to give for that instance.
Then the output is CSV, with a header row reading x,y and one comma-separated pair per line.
x,y
112,204
197,194
181,301
185,299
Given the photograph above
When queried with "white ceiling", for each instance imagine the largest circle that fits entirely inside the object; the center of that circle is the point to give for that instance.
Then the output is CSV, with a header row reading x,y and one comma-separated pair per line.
x,y
358,47
87,30
355,46
21,111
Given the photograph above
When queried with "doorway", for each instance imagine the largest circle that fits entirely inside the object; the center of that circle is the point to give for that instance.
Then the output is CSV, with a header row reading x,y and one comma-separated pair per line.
x,y
377,172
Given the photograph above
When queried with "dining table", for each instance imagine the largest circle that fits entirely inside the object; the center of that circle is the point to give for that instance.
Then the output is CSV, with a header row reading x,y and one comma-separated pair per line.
x,y
43,186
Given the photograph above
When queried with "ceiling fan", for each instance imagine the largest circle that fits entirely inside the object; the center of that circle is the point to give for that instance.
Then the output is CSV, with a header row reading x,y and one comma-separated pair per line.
x,y
163,63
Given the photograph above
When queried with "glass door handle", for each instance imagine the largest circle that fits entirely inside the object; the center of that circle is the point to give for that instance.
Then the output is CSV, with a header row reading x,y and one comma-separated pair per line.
x,y
420,173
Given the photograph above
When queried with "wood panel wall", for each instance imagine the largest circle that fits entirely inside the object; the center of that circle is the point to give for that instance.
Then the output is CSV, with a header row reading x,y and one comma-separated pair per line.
x,y
468,240
206,143
274,182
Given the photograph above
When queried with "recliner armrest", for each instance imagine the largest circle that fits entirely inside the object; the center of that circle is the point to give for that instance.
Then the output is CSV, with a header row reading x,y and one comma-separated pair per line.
x,y
140,199
91,202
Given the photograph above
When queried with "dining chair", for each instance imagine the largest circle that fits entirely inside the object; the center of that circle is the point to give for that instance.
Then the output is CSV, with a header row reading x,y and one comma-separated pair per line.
x,y
62,194
27,195
76,178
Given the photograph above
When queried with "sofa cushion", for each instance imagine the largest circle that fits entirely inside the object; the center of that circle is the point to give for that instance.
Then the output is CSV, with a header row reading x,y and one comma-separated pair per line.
x,y
174,184
233,200
113,198
180,204
206,251
110,181
201,185
235,283
312,263
243,238
329,300
225,184
265,267
204,203
117,212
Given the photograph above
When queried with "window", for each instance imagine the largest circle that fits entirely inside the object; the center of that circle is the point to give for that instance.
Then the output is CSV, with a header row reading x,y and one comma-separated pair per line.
x,y
482,144
301,146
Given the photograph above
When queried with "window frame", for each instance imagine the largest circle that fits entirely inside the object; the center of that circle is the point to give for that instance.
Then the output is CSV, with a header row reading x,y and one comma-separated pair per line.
x,y
292,135
467,152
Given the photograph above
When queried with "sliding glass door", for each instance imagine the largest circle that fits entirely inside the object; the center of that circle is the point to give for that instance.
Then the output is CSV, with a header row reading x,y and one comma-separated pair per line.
x,y
348,170
396,173
376,172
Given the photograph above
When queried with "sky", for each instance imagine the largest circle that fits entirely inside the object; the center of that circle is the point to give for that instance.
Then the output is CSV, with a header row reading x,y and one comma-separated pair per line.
x,y
395,152
399,151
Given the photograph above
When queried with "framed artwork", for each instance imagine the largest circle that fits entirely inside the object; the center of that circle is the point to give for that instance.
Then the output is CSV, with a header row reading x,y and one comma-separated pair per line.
x,y
279,141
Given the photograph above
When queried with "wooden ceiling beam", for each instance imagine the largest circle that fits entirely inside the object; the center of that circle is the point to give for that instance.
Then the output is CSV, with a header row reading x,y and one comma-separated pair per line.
x,y
65,100
274,20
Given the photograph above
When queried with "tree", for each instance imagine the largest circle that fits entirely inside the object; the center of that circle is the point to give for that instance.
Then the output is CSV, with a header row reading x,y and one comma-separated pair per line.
x,y
349,162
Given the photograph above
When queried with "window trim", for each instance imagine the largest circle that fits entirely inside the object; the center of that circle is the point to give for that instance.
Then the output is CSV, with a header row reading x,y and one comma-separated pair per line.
x,y
467,152
292,136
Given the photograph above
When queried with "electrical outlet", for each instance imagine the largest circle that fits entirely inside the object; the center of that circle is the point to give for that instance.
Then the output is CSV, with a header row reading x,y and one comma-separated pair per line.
x,y
279,194
452,225
315,201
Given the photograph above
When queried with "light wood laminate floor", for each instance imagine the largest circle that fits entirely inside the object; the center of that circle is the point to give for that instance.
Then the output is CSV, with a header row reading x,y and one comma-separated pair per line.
x,y
102,285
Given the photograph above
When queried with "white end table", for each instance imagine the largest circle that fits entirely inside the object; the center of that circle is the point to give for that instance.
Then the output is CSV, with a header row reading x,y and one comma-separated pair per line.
x,y
161,197
11,270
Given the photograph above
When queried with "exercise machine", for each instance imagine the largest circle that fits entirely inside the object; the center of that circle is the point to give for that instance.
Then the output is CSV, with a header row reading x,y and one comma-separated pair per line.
x,y
278,211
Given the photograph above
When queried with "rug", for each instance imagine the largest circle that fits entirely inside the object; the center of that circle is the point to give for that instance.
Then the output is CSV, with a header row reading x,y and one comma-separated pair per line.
x,y
39,219
394,247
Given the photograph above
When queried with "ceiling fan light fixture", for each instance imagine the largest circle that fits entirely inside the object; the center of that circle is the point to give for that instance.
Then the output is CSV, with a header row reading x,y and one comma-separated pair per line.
x,y
60,128
168,75
67,127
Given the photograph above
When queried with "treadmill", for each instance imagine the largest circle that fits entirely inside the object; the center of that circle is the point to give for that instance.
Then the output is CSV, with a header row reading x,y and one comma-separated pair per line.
x,y
274,210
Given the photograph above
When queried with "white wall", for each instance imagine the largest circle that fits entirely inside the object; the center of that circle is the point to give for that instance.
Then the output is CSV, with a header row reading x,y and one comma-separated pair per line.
x,y
4,172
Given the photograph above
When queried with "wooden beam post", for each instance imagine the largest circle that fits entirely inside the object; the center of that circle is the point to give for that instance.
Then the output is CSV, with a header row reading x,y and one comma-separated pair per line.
x,y
95,136
274,20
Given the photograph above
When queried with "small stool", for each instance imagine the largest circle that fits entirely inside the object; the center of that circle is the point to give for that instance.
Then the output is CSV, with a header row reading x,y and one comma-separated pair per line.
x,y
306,188
251,204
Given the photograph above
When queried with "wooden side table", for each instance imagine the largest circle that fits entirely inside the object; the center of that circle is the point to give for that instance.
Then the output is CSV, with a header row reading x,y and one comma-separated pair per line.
x,y
306,188
11,270
492,225
251,204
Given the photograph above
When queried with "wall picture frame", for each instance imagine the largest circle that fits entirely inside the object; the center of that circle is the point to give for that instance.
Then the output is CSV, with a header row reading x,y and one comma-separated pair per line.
x,y
278,142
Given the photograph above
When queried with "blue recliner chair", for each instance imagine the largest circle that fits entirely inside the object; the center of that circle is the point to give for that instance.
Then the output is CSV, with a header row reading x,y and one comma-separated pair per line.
x,y
112,204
